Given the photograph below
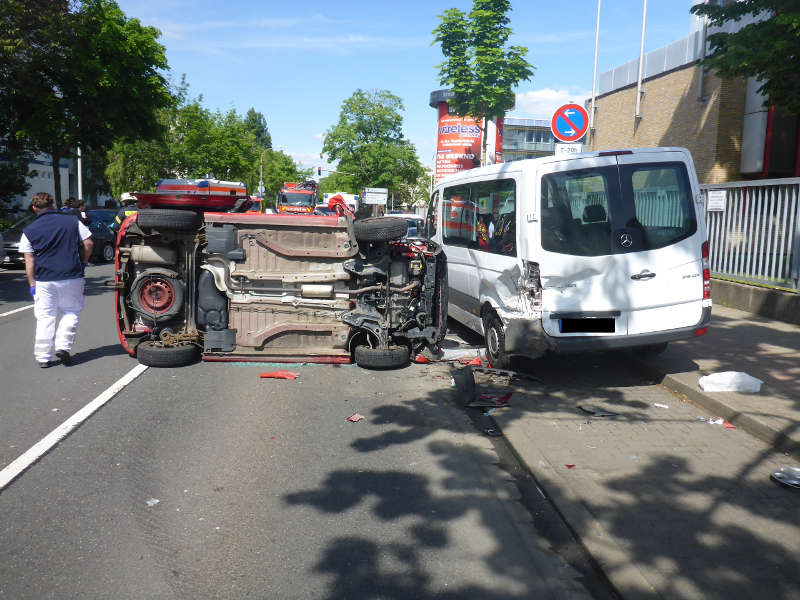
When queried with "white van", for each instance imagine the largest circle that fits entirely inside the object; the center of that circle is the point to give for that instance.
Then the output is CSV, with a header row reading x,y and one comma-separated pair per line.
x,y
576,252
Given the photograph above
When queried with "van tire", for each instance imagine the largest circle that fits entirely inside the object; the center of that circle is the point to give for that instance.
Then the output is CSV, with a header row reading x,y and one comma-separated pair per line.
x,y
153,354
172,219
379,229
495,337
392,357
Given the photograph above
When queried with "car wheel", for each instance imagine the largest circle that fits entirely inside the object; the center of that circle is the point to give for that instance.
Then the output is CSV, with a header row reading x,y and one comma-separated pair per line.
x,y
495,336
156,296
153,354
108,252
392,357
175,220
379,229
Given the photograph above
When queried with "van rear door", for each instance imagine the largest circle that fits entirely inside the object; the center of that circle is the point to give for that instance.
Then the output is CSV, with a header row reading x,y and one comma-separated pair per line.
x,y
621,245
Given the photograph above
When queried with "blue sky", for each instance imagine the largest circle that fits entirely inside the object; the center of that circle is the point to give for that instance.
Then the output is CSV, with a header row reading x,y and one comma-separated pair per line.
x,y
296,62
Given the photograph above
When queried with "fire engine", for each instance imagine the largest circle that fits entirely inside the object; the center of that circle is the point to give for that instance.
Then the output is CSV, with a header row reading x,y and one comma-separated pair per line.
x,y
297,198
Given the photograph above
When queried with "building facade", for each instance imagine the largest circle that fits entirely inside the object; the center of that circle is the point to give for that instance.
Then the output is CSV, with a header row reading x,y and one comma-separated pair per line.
x,y
526,138
731,132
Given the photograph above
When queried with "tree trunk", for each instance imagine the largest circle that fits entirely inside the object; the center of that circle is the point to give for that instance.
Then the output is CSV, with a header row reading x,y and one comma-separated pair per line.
x,y
55,155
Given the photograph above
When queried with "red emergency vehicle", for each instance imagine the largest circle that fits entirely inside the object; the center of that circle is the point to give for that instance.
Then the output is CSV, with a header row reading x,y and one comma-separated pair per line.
x,y
297,198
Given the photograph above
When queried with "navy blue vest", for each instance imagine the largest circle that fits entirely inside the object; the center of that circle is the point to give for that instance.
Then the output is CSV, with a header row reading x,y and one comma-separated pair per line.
x,y
55,240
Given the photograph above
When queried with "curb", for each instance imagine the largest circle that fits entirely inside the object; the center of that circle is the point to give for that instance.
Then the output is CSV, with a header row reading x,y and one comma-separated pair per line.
x,y
718,407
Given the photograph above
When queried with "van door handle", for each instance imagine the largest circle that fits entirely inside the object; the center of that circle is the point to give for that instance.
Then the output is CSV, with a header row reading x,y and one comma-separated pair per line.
x,y
643,275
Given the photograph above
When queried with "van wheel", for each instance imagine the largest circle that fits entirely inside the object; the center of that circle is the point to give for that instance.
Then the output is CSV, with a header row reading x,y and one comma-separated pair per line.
x,y
495,336
651,349
392,357
379,229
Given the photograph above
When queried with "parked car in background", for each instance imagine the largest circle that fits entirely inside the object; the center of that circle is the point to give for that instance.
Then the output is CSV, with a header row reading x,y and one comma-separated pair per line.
x,y
100,221
2,250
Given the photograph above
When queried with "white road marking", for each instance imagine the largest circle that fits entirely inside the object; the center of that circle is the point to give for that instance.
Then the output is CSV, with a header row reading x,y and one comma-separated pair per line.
x,y
11,312
16,468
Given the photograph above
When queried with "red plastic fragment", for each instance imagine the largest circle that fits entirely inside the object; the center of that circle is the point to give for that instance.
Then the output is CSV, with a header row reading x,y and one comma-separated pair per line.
x,y
570,466
421,359
475,362
729,425
354,418
280,374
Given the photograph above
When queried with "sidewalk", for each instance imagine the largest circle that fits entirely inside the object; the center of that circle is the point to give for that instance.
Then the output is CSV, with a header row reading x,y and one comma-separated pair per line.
x,y
670,506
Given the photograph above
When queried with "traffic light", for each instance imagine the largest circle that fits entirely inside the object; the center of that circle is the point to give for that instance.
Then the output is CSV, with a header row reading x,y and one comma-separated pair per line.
x,y
319,171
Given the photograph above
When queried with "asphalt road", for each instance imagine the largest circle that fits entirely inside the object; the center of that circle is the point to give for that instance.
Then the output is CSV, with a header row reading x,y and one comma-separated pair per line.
x,y
209,482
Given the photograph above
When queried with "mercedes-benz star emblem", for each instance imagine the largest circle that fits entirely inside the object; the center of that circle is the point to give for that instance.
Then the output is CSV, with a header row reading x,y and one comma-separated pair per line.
x,y
625,240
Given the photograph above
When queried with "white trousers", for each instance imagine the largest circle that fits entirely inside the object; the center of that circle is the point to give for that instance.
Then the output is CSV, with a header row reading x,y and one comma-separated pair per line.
x,y
51,298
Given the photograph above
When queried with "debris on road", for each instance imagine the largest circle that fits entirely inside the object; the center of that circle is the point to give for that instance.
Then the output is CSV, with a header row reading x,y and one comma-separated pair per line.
x,y
475,362
490,400
280,374
787,476
153,501
570,466
730,381
660,405
716,421
596,412
355,418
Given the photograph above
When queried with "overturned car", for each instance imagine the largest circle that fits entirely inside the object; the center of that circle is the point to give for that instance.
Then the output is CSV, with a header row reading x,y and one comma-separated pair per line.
x,y
231,286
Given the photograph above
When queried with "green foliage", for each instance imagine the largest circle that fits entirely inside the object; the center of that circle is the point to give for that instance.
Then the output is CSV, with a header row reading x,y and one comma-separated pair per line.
x,y
368,142
198,143
257,124
80,76
479,66
768,49
14,162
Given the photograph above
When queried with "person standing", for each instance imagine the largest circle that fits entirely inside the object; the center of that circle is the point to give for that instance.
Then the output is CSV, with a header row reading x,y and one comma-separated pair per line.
x,y
57,247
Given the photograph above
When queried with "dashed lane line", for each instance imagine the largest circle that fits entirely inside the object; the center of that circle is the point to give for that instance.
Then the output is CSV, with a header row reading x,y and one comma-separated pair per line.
x,y
19,465
11,312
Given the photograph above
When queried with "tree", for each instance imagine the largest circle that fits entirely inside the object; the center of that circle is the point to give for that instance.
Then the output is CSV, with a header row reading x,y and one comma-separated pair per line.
x,y
78,74
257,124
480,69
768,49
368,142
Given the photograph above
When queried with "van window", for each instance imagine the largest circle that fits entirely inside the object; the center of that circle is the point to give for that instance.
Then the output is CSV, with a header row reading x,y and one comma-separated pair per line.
x,y
496,219
430,218
458,216
591,212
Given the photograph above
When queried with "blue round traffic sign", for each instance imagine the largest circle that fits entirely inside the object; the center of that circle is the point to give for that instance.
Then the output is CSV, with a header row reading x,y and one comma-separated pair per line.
x,y
570,123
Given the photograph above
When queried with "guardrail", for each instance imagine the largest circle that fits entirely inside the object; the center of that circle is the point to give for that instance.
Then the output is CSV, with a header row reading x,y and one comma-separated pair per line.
x,y
754,231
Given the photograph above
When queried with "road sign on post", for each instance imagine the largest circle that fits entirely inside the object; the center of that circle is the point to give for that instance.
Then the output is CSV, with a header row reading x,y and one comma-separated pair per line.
x,y
375,196
570,123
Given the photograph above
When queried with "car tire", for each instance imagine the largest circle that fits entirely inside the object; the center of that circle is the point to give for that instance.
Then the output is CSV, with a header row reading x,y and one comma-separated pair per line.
x,y
379,229
168,219
153,354
157,296
108,252
392,357
495,338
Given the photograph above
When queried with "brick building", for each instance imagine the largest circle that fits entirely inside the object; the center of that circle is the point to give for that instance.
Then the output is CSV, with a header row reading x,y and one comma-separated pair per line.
x,y
724,123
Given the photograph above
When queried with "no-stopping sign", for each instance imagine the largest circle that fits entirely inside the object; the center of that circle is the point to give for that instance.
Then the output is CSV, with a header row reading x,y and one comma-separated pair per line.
x,y
570,123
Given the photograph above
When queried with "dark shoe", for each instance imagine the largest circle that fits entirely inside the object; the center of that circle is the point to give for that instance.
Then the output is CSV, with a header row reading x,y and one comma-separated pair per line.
x,y
46,365
66,359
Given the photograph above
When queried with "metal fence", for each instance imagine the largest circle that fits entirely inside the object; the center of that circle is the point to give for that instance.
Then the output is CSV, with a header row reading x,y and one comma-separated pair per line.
x,y
756,237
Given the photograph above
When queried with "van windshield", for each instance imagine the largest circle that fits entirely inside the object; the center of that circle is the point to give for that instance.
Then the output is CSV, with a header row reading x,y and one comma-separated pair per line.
x,y
614,210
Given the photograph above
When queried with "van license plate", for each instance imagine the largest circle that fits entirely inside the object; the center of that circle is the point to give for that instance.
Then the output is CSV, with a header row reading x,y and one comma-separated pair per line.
x,y
587,326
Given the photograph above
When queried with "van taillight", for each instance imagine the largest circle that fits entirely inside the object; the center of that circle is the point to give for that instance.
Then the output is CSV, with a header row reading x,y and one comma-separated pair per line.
x,y
706,273
533,280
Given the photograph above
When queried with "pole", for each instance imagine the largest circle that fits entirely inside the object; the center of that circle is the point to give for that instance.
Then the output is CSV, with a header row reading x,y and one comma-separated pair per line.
x,y
641,64
80,175
594,73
